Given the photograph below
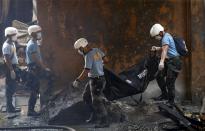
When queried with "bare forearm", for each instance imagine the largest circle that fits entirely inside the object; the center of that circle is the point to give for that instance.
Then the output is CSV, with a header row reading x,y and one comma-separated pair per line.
x,y
83,75
163,56
42,64
8,63
164,53
38,61
105,60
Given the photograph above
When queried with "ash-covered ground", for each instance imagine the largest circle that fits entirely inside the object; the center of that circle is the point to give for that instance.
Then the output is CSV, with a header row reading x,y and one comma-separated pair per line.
x,y
69,110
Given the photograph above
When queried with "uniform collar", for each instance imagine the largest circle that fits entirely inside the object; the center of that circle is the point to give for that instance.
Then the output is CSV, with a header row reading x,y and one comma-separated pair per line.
x,y
89,51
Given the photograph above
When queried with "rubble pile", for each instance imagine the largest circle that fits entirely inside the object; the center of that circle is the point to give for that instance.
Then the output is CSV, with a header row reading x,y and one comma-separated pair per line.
x,y
70,109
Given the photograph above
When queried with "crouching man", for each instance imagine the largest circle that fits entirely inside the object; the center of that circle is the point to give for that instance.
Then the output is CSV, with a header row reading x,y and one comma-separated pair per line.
x,y
93,93
35,66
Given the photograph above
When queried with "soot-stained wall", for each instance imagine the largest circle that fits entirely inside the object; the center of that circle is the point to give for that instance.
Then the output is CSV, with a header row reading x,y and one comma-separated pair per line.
x,y
119,27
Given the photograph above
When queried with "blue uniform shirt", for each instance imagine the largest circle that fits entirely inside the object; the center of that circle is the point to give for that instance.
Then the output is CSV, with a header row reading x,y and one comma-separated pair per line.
x,y
32,47
168,40
94,62
10,49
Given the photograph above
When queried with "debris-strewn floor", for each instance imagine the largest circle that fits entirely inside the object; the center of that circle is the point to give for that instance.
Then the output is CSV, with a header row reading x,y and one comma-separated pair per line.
x,y
139,117
21,118
20,99
143,117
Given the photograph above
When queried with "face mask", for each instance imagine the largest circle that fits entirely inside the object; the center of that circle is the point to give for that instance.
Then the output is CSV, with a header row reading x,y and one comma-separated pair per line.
x,y
39,42
14,38
158,37
39,35
80,52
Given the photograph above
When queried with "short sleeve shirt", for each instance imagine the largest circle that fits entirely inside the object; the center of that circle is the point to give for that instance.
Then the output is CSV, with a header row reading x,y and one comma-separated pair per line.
x,y
10,50
94,62
32,47
168,40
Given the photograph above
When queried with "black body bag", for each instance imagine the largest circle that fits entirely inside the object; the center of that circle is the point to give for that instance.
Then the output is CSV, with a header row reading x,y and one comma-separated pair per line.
x,y
131,81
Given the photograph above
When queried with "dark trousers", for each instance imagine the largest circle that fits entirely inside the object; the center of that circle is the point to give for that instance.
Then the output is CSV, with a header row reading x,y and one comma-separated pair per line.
x,y
170,82
166,79
10,90
10,87
167,84
34,84
93,97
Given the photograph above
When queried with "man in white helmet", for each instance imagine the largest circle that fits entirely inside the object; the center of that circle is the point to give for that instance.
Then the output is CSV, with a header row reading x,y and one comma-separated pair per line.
x,y
11,61
35,66
170,63
94,61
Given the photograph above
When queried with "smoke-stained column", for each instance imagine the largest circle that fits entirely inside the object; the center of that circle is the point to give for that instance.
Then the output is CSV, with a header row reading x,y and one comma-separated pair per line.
x,y
198,49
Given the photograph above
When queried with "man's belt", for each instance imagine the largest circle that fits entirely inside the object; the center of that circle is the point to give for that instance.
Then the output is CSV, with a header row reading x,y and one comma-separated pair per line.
x,y
97,77
177,57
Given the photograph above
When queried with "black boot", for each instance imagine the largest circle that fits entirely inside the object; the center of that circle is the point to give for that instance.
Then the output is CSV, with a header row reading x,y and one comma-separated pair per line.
x,y
103,123
171,102
32,113
9,98
12,109
31,104
9,106
161,97
171,96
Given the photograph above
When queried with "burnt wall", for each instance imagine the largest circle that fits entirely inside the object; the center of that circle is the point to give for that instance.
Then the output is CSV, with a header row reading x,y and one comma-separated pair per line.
x,y
120,27
198,48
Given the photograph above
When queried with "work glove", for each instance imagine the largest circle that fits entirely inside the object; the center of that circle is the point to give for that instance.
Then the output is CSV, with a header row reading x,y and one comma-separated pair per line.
x,y
13,75
76,84
155,48
47,69
161,66
128,81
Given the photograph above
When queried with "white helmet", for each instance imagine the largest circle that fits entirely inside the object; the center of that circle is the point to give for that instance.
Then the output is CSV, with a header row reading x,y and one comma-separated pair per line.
x,y
33,29
155,30
82,42
10,31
